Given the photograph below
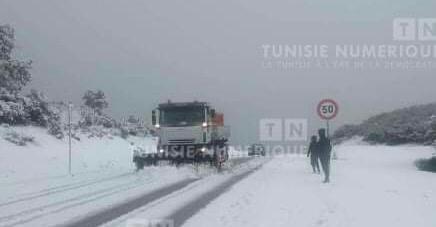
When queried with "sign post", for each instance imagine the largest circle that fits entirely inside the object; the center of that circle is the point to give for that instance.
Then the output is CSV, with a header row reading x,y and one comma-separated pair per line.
x,y
70,107
327,109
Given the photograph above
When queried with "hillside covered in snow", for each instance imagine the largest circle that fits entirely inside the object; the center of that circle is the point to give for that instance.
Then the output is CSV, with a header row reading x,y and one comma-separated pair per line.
x,y
43,155
416,124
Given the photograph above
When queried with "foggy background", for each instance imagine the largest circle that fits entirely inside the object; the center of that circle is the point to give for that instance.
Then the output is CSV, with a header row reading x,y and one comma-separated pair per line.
x,y
142,52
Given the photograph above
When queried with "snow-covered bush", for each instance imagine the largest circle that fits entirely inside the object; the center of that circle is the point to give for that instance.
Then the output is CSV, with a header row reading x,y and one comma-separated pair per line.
x,y
12,112
124,132
346,132
18,139
32,109
92,112
96,100
90,118
426,164
38,110
135,126
55,129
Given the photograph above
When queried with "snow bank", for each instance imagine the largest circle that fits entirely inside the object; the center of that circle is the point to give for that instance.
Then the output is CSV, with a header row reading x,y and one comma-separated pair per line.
x,y
48,156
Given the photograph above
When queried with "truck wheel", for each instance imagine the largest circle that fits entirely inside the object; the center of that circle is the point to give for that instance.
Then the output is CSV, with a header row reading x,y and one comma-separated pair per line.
x,y
139,164
150,162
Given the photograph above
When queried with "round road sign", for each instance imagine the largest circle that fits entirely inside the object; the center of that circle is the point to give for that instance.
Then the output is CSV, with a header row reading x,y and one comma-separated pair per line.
x,y
327,109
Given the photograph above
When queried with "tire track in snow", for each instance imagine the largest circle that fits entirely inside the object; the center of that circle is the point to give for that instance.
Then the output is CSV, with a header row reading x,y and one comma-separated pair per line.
x,y
188,210
130,205
101,217
78,197
60,189
159,196
32,214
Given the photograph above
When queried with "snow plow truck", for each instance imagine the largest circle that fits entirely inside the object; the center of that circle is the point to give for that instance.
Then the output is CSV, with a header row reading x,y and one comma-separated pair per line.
x,y
188,132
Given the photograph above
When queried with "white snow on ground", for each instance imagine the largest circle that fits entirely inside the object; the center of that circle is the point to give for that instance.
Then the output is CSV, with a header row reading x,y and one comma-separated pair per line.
x,y
48,156
371,186
37,191
68,200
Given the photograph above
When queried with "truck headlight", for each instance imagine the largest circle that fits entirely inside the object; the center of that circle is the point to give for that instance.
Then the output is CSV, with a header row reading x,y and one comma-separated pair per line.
x,y
157,126
203,149
161,150
204,124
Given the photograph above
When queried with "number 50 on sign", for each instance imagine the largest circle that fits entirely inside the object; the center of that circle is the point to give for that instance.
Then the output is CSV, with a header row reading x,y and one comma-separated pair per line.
x,y
327,109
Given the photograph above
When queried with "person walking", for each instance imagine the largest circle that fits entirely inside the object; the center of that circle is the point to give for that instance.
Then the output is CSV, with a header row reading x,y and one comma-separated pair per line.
x,y
133,149
324,148
312,152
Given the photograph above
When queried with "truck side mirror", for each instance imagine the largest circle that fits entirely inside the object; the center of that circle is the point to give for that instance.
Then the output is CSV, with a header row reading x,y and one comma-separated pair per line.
x,y
212,113
153,117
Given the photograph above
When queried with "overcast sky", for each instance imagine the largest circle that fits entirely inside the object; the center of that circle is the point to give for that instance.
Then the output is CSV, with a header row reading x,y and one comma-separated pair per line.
x,y
142,52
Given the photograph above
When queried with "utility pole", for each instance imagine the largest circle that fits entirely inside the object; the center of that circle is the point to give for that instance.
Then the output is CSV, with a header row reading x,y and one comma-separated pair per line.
x,y
70,107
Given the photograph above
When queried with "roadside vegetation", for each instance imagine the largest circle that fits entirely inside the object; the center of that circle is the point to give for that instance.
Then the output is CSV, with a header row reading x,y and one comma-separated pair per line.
x,y
18,107
416,125
426,164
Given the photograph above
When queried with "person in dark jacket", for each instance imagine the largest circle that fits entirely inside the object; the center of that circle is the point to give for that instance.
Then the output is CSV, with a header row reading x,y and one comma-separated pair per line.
x,y
313,153
324,149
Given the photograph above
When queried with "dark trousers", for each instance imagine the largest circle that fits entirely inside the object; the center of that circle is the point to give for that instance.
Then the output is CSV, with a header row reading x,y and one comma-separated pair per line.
x,y
315,163
325,164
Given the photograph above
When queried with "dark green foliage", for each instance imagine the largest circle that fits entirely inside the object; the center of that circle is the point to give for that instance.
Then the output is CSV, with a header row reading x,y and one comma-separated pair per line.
x,y
426,164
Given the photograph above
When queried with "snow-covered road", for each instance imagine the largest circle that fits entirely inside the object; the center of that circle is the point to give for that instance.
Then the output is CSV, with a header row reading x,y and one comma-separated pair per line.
x,y
56,201
371,186
98,197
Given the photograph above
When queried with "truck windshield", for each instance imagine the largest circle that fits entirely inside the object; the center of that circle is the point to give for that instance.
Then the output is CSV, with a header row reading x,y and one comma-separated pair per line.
x,y
181,116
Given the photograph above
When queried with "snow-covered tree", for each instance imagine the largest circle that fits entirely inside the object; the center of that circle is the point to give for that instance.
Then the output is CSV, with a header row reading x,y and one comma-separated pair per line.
x,y
92,111
37,108
39,112
95,100
6,41
14,74
16,108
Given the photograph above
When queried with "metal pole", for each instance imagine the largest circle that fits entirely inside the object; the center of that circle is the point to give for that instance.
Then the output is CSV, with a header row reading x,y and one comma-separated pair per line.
x,y
69,137
328,128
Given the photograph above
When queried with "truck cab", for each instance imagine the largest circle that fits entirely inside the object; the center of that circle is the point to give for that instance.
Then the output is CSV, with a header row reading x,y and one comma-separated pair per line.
x,y
188,132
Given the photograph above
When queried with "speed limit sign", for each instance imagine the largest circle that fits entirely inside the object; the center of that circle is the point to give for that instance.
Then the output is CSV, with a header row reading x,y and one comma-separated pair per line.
x,y
327,109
